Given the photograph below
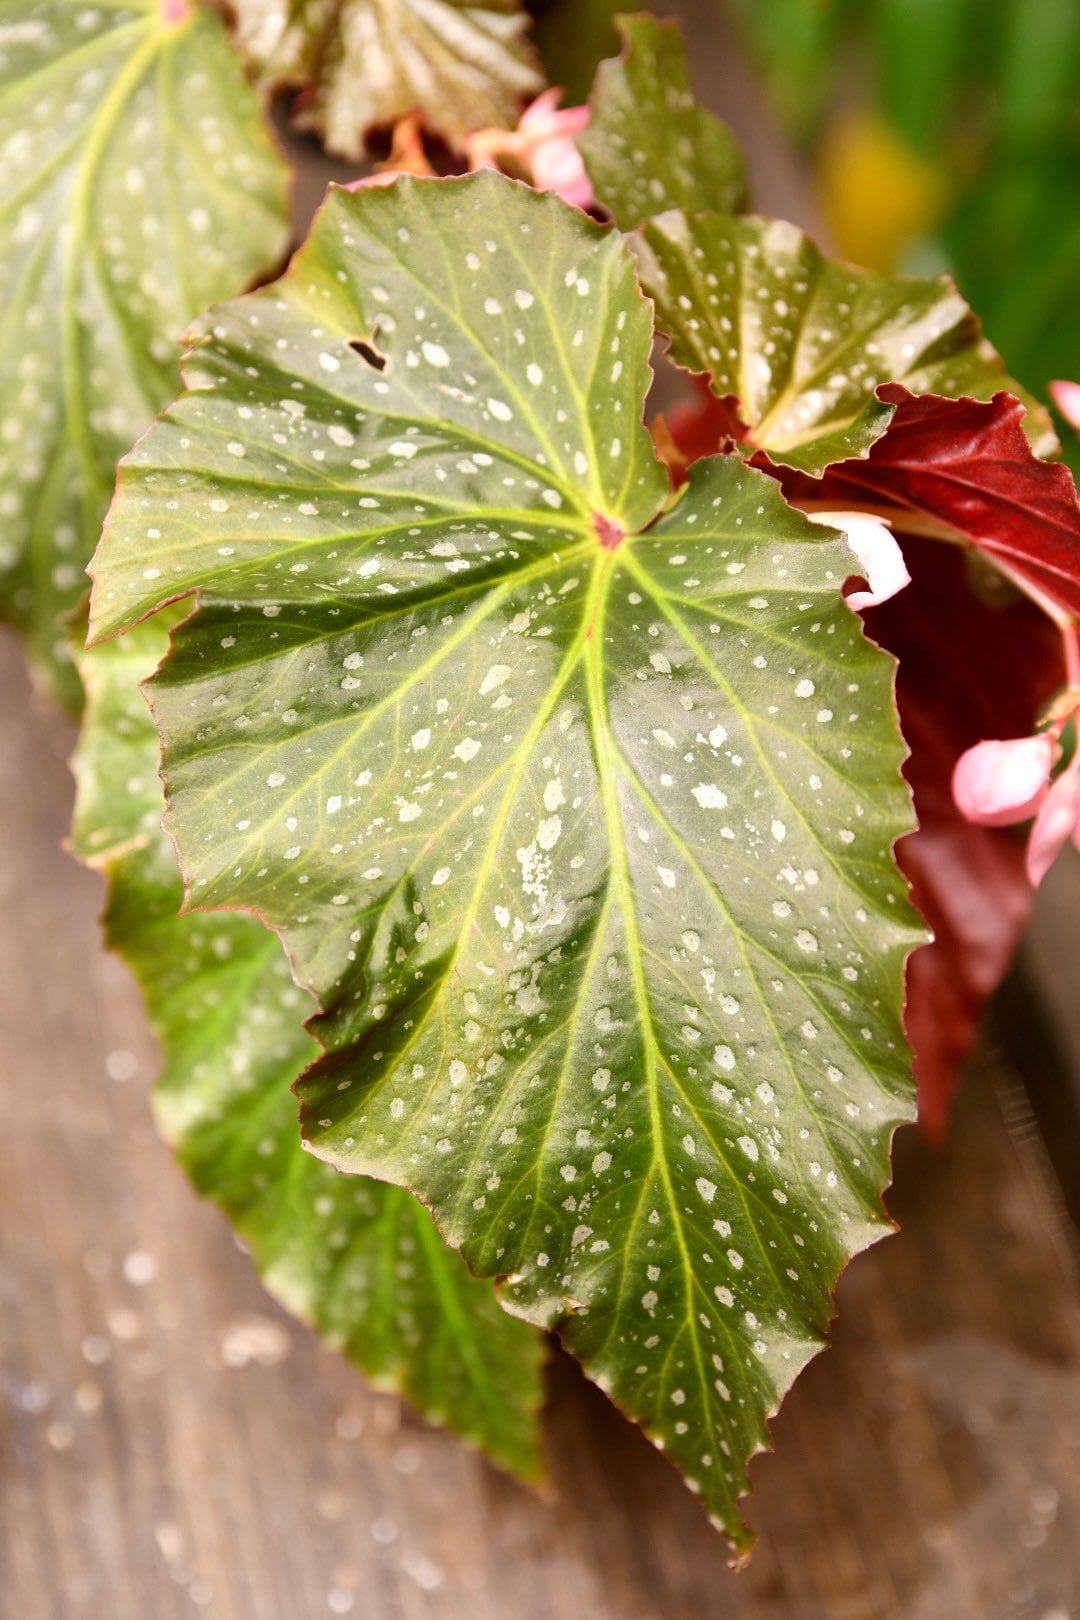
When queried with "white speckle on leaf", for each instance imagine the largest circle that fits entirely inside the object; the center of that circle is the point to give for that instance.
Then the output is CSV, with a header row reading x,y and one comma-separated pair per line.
x,y
497,675
547,834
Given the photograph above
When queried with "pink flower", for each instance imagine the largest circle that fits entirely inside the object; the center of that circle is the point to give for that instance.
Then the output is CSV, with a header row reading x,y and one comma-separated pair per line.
x,y
174,11
556,162
998,783
878,554
544,144
1058,820
1066,396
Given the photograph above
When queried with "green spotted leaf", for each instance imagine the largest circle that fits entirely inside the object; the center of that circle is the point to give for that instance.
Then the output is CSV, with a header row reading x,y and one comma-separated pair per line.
x,y
573,801
358,1259
649,146
802,342
137,185
463,64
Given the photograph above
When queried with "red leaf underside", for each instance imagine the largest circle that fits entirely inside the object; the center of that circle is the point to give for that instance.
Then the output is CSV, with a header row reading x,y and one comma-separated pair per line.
x,y
967,670
969,465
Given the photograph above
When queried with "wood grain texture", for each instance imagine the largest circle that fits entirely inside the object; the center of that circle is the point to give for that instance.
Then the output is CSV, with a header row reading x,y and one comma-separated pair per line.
x,y
171,1443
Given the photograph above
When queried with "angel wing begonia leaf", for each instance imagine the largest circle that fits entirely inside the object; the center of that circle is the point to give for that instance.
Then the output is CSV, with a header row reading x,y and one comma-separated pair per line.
x,y
137,185
575,808
649,147
358,1259
801,343
463,64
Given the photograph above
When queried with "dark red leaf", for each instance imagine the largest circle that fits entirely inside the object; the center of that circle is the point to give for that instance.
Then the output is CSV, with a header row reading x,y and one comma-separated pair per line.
x,y
969,465
700,426
967,670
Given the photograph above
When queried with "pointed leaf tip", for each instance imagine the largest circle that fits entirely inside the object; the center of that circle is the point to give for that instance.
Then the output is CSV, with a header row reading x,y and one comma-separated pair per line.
x,y
649,146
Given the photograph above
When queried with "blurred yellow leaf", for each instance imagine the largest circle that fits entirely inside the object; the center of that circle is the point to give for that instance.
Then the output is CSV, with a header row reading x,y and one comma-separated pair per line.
x,y
877,195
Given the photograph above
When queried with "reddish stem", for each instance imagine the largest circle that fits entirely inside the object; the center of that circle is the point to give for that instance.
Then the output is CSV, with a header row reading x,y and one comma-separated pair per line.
x,y
1072,655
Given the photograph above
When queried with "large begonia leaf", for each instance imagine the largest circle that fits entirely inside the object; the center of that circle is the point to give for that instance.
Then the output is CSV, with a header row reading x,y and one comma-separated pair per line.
x,y
462,64
801,343
137,185
358,1259
576,812
649,147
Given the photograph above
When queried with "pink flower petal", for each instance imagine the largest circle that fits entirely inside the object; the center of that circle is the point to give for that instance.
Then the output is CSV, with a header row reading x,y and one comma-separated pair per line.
x,y
1066,396
879,556
543,118
1054,825
557,166
997,783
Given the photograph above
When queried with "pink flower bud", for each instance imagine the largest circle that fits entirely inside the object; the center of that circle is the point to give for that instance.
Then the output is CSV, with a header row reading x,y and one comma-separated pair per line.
x,y
1066,396
174,11
1055,824
878,554
544,118
998,783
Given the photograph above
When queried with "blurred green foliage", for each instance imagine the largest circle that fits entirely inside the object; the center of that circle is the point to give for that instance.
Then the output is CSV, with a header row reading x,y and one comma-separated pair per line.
x,y
983,96
573,36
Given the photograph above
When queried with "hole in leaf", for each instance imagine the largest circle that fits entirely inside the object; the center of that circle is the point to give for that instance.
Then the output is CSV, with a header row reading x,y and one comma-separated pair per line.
x,y
369,354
